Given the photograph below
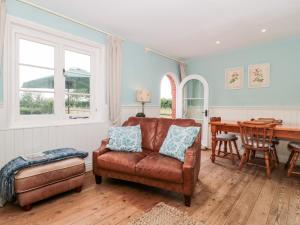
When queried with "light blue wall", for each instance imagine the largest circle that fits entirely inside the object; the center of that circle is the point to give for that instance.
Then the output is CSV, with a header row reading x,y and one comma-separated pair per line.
x,y
140,69
284,57
143,70
1,84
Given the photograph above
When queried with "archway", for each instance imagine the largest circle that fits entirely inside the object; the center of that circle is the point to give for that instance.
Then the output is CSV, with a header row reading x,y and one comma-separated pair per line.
x,y
168,96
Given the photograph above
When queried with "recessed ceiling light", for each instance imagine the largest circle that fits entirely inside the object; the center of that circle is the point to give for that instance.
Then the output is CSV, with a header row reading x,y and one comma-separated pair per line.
x,y
263,30
218,42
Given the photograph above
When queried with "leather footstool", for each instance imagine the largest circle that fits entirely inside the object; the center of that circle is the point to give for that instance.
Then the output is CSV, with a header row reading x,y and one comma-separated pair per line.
x,y
40,182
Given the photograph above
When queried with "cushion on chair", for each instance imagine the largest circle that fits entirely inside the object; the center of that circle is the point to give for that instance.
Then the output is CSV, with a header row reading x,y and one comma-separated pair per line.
x,y
275,141
160,167
120,161
295,145
43,175
226,137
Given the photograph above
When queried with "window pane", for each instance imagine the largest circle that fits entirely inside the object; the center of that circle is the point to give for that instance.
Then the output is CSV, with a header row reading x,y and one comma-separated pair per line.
x,y
77,85
77,61
36,103
77,104
36,78
36,54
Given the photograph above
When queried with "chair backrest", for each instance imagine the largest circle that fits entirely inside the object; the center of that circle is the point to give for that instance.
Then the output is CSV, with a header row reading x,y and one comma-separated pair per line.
x,y
268,120
216,119
257,135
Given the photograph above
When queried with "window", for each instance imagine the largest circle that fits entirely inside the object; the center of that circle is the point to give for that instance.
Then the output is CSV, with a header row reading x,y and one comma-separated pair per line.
x,y
77,73
36,78
56,77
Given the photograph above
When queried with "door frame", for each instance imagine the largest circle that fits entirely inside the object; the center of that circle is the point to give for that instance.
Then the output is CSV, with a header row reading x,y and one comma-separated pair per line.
x,y
179,105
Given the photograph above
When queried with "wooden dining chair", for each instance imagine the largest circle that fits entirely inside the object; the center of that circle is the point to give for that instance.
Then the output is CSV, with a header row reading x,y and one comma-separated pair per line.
x,y
257,136
294,148
275,141
226,141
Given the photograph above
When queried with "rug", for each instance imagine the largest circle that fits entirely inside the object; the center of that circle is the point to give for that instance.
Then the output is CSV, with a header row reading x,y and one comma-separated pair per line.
x,y
162,214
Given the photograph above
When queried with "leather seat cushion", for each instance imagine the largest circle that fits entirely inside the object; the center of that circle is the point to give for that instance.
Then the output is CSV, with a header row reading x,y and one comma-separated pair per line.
x,y
43,175
226,137
124,162
160,167
163,128
148,128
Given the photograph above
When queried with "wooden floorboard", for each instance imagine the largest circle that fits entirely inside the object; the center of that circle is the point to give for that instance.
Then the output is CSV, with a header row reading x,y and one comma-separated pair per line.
x,y
223,196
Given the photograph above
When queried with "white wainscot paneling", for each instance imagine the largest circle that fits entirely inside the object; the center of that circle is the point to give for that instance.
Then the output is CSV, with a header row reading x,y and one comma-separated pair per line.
x,y
86,137
289,115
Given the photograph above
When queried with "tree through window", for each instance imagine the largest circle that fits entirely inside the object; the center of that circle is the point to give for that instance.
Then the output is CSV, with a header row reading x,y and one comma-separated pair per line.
x,y
168,97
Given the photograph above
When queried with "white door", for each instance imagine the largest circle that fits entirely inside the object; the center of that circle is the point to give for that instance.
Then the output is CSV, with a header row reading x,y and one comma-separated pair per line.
x,y
192,102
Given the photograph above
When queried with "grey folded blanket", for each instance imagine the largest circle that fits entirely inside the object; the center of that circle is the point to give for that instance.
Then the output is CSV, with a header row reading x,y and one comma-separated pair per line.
x,y
7,173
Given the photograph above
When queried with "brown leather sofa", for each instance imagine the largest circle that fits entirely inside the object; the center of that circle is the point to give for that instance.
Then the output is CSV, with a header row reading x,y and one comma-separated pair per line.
x,y
149,167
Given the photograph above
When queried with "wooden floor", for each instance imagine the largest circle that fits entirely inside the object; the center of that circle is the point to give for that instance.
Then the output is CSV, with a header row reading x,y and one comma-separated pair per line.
x,y
223,195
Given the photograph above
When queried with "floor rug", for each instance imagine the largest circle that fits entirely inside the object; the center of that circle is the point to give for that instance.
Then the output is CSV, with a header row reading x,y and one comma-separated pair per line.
x,y
162,214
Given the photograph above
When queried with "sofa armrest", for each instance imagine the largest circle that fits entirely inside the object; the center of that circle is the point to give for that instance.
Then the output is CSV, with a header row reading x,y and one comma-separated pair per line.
x,y
191,166
101,150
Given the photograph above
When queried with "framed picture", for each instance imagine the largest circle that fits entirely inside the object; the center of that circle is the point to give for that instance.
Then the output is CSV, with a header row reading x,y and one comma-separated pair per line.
x,y
259,75
234,78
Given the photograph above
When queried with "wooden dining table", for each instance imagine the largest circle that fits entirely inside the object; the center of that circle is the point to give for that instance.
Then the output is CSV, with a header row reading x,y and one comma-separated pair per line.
x,y
289,132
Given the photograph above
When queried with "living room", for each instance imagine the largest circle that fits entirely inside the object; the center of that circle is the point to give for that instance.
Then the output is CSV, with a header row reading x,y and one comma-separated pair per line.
x,y
205,91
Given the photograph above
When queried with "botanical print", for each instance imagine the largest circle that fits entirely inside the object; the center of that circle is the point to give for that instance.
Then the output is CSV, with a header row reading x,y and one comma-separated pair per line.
x,y
234,78
259,75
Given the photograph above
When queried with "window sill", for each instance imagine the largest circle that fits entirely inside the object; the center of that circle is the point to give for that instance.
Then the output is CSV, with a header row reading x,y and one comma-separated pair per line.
x,y
55,123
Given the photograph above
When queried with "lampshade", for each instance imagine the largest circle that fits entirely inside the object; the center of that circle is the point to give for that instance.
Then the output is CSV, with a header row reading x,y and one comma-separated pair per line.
x,y
142,95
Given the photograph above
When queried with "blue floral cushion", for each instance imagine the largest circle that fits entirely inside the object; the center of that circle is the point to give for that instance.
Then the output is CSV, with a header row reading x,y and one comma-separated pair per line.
x,y
178,140
127,139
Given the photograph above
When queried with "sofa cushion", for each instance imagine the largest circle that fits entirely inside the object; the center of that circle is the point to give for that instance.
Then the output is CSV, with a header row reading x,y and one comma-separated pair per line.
x,y
178,140
127,139
163,128
124,162
160,167
43,175
148,127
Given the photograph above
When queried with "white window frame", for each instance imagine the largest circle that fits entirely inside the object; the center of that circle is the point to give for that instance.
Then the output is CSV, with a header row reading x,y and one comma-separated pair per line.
x,y
23,29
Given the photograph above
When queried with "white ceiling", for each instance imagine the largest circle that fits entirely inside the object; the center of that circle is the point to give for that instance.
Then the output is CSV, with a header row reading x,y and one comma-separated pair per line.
x,y
187,28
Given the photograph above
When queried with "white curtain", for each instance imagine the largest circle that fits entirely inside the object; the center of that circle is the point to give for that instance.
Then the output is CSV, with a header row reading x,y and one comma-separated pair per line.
x,y
2,27
114,76
182,68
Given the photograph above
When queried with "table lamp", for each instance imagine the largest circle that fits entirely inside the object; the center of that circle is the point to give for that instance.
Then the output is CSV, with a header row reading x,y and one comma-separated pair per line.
x,y
142,96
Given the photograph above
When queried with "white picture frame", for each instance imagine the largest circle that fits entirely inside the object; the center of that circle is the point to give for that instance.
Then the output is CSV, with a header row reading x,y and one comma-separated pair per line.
x,y
234,77
259,75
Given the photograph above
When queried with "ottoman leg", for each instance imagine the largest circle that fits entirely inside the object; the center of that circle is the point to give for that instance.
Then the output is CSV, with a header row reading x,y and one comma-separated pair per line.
x,y
98,179
187,200
27,207
78,189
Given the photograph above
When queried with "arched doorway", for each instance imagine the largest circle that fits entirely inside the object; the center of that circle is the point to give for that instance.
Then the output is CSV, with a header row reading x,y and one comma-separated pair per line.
x,y
168,92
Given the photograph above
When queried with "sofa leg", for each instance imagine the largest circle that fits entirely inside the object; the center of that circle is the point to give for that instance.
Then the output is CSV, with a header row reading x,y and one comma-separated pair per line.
x,y
187,200
78,189
98,179
27,207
